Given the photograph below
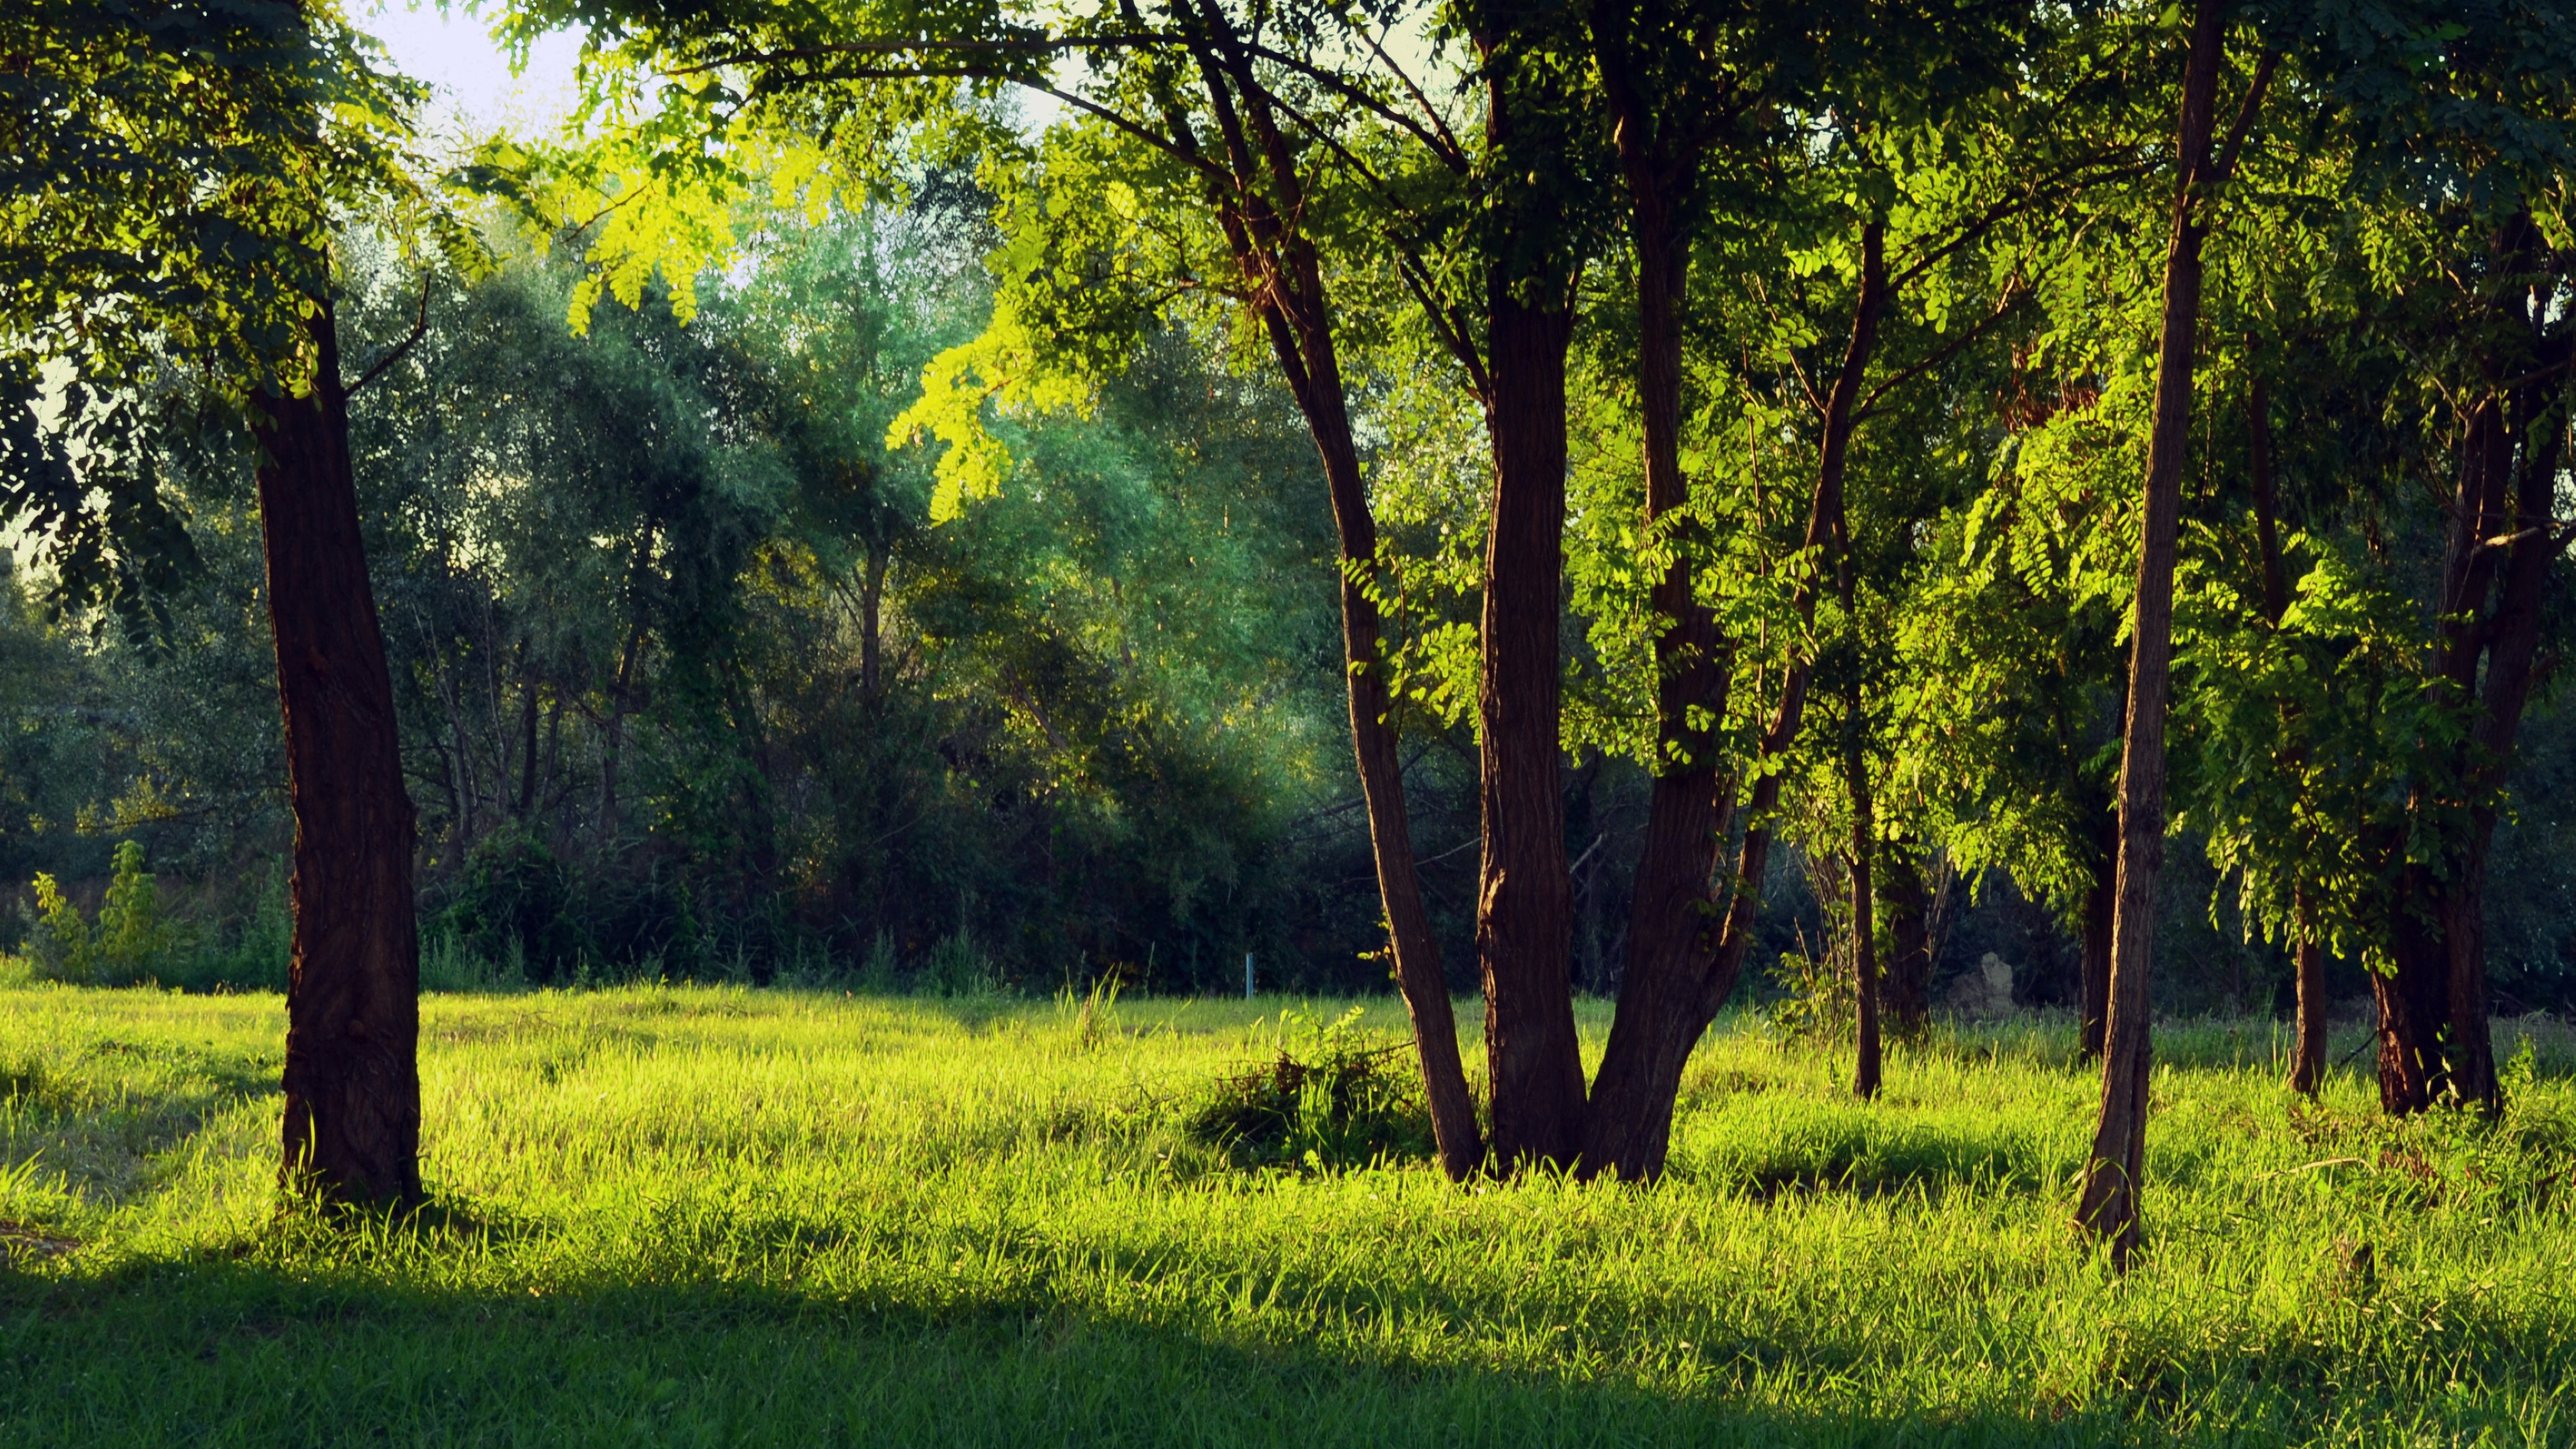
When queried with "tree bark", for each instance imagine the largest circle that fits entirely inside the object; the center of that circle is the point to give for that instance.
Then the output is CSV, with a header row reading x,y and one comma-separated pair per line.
x,y
2108,1209
1864,845
352,1080
1524,905
1641,1071
2308,1065
1285,274
1673,924
2093,967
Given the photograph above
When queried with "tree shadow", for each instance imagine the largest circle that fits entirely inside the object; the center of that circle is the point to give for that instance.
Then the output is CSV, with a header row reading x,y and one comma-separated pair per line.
x,y
223,1350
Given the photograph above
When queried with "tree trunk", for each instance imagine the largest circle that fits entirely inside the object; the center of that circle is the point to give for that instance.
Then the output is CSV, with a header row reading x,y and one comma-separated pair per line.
x,y
1641,1072
352,1080
2308,1066
1281,267
872,623
2093,964
2113,1174
1672,924
1864,845
1909,941
1524,906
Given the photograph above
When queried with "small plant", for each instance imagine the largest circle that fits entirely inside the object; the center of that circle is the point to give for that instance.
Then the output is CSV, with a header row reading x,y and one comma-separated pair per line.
x,y
131,940
1330,1098
958,967
1820,1004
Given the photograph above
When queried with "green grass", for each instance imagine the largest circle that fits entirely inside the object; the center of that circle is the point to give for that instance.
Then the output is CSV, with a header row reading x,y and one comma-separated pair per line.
x,y
692,1216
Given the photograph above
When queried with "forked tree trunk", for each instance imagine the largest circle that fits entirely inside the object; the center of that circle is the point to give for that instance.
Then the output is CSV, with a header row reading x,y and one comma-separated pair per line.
x,y
2114,1172
1524,906
1642,1070
1672,930
352,1079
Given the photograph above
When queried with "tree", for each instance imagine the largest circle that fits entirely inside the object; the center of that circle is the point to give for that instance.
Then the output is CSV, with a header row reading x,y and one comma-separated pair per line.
x,y
188,169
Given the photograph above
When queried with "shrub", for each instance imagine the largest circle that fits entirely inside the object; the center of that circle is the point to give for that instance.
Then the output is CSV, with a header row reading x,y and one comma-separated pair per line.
x,y
132,940
1331,1098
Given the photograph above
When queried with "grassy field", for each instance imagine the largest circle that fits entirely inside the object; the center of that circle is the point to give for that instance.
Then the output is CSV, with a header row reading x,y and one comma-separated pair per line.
x,y
694,1216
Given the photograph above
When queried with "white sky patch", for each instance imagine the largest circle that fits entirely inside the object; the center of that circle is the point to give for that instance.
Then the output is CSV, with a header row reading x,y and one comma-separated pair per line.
x,y
473,91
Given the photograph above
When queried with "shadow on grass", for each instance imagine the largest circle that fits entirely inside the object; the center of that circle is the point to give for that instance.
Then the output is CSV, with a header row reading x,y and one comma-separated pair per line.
x,y
220,1351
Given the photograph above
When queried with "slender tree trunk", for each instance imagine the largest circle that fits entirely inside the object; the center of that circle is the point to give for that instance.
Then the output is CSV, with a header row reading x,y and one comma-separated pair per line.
x,y
1524,907
1864,846
1673,925
1282,268
352,1081
871,624
2113,1175
2308,1066
1909,939
527,736
2093,967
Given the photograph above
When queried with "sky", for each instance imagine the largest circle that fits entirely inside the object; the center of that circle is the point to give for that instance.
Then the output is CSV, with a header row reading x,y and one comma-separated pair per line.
x,y
474,90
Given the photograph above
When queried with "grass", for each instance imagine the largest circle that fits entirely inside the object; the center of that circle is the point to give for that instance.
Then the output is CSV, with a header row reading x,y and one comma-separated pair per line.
x,y
709,1216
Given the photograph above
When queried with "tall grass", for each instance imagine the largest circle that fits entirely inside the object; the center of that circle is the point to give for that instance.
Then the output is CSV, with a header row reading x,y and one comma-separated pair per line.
x,y
699,1215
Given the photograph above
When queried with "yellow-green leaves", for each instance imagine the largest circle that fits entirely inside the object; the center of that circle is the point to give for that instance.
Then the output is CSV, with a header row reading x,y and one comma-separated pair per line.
x,y
1001,368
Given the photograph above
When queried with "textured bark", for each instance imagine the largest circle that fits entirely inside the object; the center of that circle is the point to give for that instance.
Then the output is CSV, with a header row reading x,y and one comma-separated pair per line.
x,y
1524,904
352,1080
1672,930
1286,277
2115,1169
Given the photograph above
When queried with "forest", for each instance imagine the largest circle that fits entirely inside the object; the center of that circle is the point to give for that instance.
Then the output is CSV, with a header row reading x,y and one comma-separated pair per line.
x,y
1770,630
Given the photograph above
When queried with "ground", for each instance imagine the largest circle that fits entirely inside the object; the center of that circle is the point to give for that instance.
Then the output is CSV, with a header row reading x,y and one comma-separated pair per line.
x,y
669,1215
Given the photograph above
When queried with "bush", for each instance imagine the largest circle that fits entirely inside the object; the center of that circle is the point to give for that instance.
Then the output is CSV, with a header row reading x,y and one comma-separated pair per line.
x,y
1345,1102
132,940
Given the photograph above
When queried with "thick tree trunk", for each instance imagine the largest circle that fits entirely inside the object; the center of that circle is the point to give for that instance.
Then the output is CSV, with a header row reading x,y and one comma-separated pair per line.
x,y
1524,906
2114,1173
1909,941
352,1081
1673,925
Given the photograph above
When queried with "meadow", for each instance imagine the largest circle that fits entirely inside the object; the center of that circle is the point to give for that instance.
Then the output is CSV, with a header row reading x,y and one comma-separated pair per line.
x,y
683,1215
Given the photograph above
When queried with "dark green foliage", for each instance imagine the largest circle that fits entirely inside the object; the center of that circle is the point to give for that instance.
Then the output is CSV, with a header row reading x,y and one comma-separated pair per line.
x,y
1331,1098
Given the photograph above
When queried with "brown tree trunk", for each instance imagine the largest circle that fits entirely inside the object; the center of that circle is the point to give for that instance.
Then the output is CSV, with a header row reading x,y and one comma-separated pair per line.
x,y
1641,1072
2113,1174
2308,1066
1281,267
1909,941
1524,906
352,1080
1864,846
2093,967
1672,930
872,623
